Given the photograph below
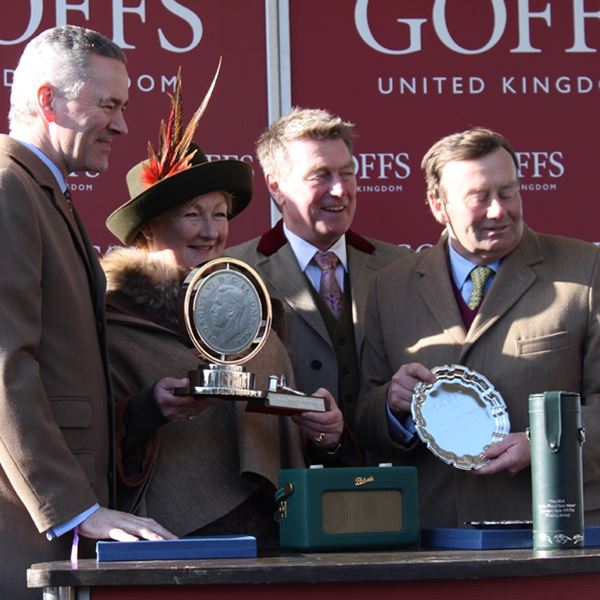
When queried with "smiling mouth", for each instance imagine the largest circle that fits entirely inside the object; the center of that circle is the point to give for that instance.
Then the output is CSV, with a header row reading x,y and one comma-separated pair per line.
x,y
497,228
201,249
334,209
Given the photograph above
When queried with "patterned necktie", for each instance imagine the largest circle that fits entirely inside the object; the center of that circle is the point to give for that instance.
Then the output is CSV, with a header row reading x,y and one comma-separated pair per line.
x,y
330,289
479,275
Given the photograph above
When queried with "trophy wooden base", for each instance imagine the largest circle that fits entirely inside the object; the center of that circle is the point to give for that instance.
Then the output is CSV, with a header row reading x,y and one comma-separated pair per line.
x,y
233,382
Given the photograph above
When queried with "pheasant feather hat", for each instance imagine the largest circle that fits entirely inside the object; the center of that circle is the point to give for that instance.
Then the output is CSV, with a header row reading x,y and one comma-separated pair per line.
x,y
176,173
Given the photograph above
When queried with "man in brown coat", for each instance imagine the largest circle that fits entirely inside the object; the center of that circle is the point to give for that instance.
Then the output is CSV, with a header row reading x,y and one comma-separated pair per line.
x,y
536,329
67,101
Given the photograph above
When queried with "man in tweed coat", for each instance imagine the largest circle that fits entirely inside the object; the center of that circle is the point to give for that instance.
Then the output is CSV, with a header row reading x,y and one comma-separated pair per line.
x,y
537,329
67,100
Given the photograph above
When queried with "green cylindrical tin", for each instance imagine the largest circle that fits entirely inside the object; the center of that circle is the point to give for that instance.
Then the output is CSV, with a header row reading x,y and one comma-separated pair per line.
x,y
556,438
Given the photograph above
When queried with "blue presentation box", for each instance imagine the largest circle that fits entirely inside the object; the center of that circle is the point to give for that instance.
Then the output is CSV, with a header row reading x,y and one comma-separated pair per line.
x,y
216,546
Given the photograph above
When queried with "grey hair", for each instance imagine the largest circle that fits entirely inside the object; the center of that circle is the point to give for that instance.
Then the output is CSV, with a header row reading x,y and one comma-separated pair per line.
x,y
60,57
299,123
466,145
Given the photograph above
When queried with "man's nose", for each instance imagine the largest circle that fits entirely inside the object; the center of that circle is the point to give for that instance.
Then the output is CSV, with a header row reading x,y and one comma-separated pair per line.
x,y
495,209
118,123
337,185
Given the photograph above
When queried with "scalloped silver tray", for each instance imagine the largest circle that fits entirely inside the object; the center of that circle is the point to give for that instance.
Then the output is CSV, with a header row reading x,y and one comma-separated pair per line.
x,y
459,416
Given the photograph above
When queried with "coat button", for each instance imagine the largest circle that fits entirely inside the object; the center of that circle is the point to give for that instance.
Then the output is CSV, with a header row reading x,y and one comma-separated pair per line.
x,y
315,365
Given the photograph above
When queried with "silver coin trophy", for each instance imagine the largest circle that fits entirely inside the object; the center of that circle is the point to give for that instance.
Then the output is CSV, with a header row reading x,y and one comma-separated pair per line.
x,y
227,314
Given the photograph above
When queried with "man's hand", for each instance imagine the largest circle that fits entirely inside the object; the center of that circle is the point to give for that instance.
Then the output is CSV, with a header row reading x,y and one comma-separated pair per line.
x,y
512,455
124,527
323,429
403,383
178,408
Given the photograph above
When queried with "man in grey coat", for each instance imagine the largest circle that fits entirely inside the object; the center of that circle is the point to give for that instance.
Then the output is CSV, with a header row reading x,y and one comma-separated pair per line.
x,y
306,157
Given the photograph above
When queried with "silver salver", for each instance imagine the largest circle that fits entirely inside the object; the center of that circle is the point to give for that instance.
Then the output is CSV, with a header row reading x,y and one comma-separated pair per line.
x,y
227,314
459,416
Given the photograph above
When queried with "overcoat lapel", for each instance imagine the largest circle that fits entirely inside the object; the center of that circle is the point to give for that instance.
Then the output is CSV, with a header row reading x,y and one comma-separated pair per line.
x,y
362,268
38,170
436,292
289,283
514,278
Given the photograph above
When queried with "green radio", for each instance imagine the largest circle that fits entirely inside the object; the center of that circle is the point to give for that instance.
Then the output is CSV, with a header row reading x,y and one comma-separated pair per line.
x,y
348,508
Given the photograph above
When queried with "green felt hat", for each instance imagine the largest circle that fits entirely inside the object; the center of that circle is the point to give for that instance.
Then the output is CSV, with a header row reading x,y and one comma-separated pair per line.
x,y
201,177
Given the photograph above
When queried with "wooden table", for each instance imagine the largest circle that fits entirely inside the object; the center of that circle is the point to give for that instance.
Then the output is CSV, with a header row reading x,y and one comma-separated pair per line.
x,y
406,574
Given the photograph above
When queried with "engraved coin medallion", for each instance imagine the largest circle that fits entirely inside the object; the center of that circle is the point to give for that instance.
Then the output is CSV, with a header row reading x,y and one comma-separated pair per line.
x,y
227,312
459,416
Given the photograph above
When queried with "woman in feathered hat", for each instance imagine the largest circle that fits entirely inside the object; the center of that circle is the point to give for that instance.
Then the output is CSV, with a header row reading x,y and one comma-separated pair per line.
x,y
217,472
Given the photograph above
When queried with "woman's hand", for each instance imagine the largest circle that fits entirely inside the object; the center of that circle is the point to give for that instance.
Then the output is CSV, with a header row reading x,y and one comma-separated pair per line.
x,y
178,408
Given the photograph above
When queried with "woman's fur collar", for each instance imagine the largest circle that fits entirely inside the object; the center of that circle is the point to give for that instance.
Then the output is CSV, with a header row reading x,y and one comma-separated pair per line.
x,y
145,283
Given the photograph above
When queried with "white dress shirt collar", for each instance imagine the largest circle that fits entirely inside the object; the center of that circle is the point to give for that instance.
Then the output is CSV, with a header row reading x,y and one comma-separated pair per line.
x,y
55,170
460,269
304,251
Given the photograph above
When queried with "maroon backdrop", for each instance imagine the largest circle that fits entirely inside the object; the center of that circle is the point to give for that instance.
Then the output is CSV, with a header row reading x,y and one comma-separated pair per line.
x,y
400,71
406,72
157,40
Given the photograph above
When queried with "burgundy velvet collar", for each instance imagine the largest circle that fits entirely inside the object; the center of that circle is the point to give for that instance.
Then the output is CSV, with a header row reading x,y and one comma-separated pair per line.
x,y
274,239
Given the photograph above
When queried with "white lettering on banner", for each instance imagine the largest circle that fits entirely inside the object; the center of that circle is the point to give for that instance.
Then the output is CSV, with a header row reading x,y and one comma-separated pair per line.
x,y
423,247
118,19
563,84
81,187
191,18
88,174
441,28
247,157
507,85
539,187
144,82
435,85
149,83
524,30
63,7
379,188
84,186
381,165
364,30
541,164
497,29
36,9
119,14
579,16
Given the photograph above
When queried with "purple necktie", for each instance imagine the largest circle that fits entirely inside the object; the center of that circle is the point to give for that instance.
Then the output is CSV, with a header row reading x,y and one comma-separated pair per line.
x,y
330,289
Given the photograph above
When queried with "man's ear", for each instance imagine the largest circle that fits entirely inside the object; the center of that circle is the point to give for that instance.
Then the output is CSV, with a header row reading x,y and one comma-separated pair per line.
x,y
274,190
45,102
437,207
